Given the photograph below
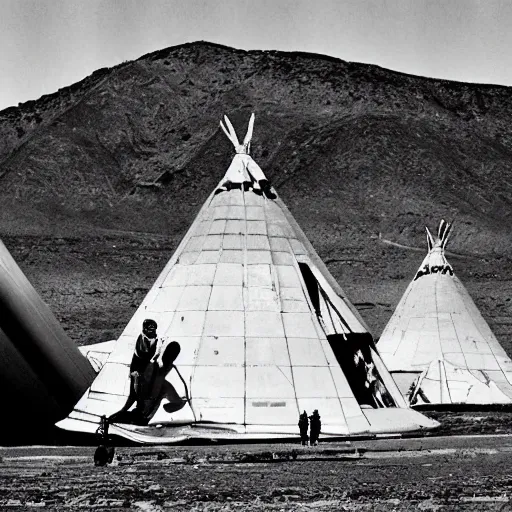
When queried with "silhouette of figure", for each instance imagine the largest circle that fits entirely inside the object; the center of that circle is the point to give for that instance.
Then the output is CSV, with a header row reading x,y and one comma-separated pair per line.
x,y
376,387
104,454
145,352
315,428
303,428
359,383
151,390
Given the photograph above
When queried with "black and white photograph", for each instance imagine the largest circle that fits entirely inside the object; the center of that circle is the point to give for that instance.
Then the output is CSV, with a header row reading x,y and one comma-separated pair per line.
x,y
256,255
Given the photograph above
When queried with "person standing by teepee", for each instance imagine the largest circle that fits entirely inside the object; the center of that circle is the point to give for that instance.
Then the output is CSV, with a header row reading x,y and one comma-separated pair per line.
x,y
303,428
315,428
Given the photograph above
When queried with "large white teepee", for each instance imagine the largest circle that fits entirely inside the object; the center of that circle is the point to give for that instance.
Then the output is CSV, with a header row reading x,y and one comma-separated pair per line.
x,y
265,331
436,320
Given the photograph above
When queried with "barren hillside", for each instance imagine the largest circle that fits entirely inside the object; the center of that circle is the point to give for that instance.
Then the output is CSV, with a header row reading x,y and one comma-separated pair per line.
x,y
99,181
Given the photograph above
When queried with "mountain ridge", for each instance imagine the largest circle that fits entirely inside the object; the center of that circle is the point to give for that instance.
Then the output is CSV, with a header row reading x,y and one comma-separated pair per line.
x,y
354,150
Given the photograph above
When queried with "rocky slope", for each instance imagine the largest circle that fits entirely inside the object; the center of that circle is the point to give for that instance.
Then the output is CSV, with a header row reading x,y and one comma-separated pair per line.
x,y
354,151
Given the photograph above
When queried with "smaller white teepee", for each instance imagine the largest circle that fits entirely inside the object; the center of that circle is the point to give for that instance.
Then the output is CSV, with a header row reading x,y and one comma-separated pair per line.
x,y
437,319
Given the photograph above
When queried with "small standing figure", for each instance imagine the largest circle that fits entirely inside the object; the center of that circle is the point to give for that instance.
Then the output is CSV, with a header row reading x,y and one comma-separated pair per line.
x,y
104,454
315,428
303,428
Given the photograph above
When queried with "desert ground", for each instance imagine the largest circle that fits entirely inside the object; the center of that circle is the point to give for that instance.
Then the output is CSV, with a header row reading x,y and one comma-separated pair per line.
x,y
465,473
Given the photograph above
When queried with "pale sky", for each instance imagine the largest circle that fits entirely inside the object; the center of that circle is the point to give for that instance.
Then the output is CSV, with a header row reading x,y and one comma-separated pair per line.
x,y
48,44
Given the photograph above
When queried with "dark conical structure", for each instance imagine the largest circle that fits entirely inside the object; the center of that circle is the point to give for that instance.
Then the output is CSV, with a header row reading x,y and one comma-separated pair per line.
x,y
42,372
